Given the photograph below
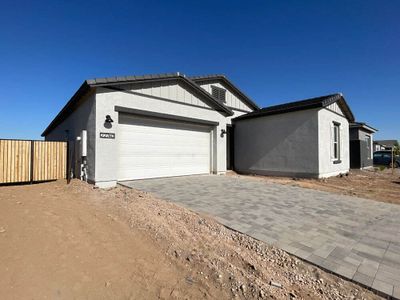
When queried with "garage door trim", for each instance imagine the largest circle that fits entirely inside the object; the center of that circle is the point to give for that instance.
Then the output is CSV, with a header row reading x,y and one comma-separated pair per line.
x,y
147,113
142,132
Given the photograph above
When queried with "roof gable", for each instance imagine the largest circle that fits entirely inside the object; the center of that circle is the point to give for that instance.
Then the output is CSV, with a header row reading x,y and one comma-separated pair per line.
x,y
119,82
221,79
317,102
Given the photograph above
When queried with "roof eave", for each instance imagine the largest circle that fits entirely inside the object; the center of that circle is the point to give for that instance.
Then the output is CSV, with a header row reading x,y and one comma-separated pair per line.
x,y
83,89
94,83
248,100
258,114
364,126
222,108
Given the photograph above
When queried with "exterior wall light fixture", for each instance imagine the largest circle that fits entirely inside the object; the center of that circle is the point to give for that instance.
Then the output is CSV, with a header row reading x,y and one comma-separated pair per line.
x,y
108,119
223,132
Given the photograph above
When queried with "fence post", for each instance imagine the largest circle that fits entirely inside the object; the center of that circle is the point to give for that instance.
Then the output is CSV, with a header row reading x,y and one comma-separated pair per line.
x,y
392,160
32,160
68,162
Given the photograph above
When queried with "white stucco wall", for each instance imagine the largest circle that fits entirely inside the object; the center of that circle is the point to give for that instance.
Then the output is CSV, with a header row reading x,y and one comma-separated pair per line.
x,y
170,89
284,144
327,167
106,172
83,118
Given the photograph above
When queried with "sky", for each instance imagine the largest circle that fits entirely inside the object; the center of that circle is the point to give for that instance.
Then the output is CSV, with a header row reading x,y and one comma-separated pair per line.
x,y
274,51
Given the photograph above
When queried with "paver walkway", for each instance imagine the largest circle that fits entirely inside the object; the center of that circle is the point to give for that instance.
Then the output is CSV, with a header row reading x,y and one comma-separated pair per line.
x,y
358,239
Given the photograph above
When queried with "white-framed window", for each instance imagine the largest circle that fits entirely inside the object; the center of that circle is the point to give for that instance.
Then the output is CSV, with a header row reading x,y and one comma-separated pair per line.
x,y
336,142
368,140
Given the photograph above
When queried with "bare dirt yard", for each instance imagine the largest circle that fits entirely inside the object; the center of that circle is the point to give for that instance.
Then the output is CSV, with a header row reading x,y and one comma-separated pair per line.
x,y
375,184
60,241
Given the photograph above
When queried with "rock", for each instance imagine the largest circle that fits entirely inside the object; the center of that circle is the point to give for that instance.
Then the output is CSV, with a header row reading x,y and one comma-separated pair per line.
x,y
243,288
275,284
2,230
189,280
252,267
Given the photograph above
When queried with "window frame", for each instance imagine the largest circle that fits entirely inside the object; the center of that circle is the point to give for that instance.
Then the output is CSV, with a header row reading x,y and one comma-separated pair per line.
x,y
368,140
336,142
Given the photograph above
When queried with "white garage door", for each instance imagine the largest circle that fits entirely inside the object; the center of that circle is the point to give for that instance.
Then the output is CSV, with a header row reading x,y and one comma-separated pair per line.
x,y
150,148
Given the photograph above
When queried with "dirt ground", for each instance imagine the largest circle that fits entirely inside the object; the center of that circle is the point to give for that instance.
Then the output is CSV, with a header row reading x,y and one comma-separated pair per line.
x,y
375,184
60,241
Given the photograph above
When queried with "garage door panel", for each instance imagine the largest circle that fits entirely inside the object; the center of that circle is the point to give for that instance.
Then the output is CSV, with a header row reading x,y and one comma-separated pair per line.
x,y
151,148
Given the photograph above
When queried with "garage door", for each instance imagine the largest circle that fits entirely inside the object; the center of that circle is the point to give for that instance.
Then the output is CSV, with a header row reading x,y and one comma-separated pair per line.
x,y
150,148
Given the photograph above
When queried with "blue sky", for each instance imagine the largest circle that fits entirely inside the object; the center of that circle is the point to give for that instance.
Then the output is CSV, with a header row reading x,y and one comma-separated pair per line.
x,y
275,51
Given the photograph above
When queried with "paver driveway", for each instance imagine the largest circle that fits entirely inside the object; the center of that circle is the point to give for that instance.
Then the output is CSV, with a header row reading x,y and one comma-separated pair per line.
x,y
356,238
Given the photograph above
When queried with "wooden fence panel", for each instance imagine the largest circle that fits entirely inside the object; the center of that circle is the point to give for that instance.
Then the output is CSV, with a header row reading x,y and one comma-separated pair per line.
x,y
49,161
15,159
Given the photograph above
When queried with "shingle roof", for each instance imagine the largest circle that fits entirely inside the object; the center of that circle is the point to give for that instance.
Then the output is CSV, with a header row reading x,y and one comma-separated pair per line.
x,y
387,143
318,102
363,126
221,77
109,81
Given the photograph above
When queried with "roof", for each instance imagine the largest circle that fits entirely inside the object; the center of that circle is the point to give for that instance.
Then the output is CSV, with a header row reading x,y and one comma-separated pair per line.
x,y
318,102
387,143
227,82
89,84
361,125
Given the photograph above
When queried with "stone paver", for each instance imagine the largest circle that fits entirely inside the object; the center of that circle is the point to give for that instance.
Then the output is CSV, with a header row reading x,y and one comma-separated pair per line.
x,y
356,238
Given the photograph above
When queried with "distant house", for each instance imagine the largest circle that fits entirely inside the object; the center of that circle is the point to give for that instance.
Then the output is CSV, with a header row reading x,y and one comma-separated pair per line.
x,y
308,138
386,144
361,147
377,146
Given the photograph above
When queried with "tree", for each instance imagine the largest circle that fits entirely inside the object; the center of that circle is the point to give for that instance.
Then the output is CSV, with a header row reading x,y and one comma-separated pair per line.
x,y
396,148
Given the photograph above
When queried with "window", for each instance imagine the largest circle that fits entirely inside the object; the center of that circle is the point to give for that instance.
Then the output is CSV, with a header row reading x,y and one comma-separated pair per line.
x,y
218,93
336,142
377,155
368,141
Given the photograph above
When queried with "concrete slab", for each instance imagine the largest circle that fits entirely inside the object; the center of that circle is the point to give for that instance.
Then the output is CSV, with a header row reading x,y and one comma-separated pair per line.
x,y
356,238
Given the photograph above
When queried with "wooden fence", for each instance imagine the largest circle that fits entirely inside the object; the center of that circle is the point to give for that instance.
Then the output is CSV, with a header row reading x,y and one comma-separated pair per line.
x,y
29,161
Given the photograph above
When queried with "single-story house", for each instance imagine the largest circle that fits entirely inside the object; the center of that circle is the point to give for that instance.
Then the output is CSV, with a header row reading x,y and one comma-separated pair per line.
x,y
361,145
378,147
386,144
135,127
307,138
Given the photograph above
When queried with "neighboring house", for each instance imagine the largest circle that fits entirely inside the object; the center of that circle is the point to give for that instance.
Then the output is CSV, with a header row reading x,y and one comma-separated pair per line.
x,y
135,127
377,146
387,144
308,138
361,147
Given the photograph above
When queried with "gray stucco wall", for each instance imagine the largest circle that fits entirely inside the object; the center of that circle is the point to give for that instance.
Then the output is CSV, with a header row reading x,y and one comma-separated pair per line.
x,y
354,133
83,118
284,144
360,153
